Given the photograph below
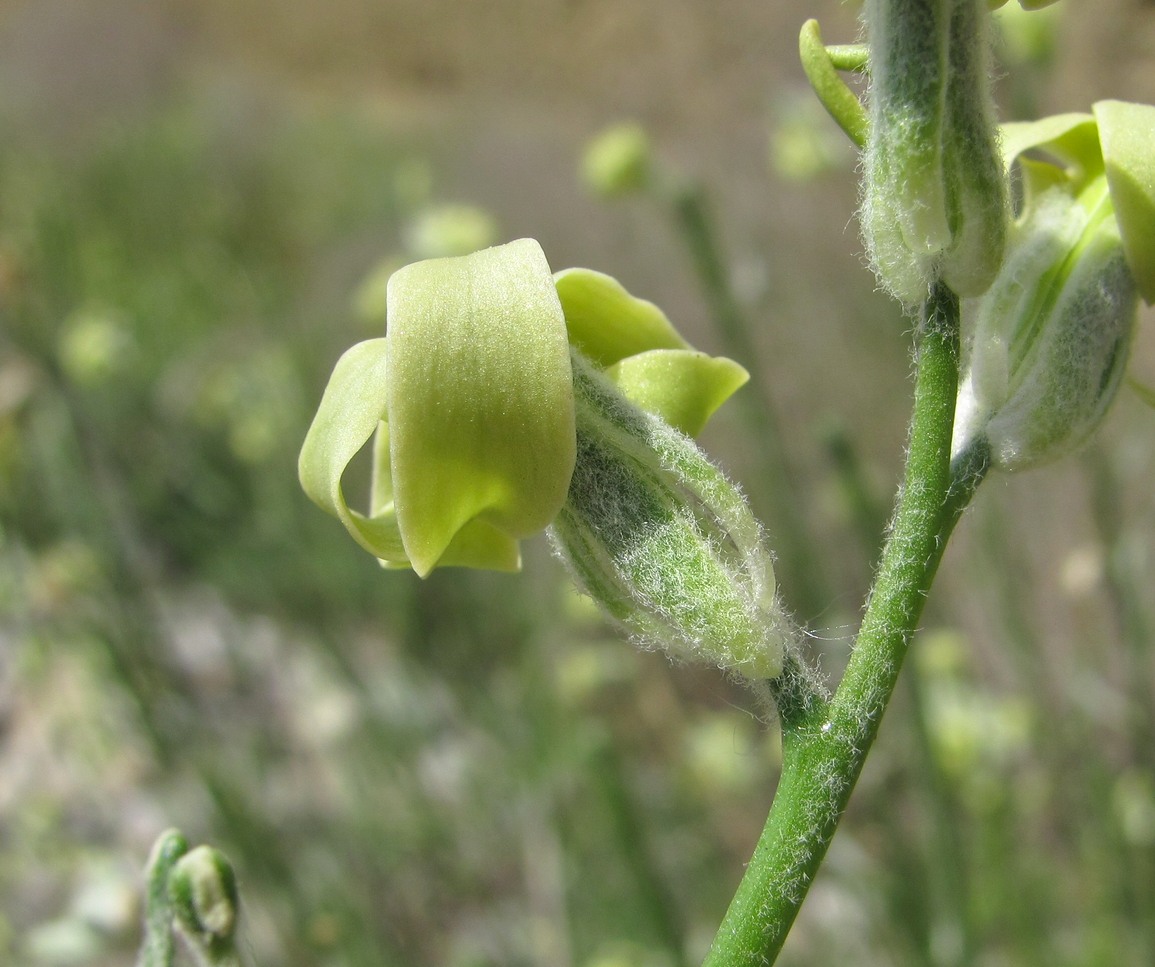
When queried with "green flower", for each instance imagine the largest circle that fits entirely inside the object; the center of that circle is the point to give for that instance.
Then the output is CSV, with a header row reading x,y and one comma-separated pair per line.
x,y
470,399
1051,336
489,428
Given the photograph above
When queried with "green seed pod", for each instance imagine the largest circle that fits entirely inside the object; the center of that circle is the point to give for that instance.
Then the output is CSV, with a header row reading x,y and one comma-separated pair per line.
x,y
658,537
934,193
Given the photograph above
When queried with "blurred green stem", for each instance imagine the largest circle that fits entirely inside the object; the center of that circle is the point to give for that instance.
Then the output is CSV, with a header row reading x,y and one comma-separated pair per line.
x,y
948,869
157,949
825,743
794,546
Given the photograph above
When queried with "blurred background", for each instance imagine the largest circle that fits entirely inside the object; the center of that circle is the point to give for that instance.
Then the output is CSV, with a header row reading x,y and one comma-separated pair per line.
x,y
199,202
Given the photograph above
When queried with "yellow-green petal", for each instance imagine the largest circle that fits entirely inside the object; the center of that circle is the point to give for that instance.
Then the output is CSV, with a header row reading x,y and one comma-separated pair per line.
x,y
480,398
1072,138
476,545
352,407
606,323
681,386
1127,136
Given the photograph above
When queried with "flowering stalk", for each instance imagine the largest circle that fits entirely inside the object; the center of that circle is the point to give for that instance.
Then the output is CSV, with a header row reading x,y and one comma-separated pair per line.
x,y
825,743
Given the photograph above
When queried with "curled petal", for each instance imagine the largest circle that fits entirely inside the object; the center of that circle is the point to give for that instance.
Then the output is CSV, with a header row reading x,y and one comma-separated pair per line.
x,y
1127,136
480,398
350,410
681,386
606,323
470,396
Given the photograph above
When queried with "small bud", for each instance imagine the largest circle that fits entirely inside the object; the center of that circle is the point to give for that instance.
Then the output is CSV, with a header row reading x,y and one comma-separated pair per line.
x,y
203,890
617,161
445,231
658,537
934,195
1051,336
96,348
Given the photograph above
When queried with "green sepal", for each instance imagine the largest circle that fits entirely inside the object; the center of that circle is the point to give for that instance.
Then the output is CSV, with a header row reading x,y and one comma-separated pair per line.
x,y
605,323
683,387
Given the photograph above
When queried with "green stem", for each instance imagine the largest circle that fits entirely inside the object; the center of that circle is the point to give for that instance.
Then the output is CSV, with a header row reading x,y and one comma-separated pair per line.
x,y
157,949
825,743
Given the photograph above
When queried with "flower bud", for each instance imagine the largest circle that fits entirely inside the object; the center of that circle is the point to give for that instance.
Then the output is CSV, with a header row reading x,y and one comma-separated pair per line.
x,y
203,889
1052,334
617,161
934,195
1051,337
658,537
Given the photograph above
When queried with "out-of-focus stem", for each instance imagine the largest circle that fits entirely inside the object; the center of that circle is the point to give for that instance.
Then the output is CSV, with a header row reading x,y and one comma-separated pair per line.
x,y
806,589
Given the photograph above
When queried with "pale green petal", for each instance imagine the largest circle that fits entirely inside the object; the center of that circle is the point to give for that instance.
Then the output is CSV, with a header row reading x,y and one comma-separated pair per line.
x,y
1127,134
606,323
1069,136
350,410
480,398
477,544
1071,139
681,386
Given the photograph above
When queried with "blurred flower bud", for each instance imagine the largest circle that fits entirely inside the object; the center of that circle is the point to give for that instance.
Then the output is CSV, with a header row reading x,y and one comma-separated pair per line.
x,y
1051,336
934,194
203,890
95,347
445,231
803,145
658,537
617,161
371,299
1026,39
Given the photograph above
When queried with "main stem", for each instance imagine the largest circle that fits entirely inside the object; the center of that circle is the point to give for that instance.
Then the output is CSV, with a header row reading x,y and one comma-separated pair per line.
x,y
825,742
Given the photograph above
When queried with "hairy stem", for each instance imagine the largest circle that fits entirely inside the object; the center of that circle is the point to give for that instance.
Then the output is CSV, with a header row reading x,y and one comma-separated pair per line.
x,y
825,743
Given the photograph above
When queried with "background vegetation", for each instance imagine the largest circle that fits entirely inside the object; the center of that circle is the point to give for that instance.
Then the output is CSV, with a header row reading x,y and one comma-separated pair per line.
x,y
474,770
